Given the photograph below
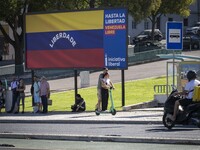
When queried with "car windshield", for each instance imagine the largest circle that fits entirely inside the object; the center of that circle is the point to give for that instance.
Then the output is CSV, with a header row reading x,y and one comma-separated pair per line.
x,y
196,37
145,33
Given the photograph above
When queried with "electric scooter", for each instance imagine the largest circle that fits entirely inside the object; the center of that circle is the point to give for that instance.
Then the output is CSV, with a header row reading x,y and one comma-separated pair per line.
x,y
112,107
189,115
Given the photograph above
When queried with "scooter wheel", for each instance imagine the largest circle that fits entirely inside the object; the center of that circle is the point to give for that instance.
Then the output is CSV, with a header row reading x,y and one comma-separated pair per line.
x,y
114,112
97,113
168,123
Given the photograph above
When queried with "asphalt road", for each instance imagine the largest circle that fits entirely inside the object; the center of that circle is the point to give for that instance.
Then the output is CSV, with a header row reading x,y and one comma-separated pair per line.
x,y
143,131
28,144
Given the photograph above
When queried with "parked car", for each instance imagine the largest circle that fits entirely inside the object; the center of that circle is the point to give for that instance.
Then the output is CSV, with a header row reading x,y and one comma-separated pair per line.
x,y
146,35
192,30
191,41
146,46
197,24
195,29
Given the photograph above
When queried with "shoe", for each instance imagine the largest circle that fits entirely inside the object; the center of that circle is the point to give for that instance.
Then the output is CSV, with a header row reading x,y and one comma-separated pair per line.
x,y
22,112
16,112
171,117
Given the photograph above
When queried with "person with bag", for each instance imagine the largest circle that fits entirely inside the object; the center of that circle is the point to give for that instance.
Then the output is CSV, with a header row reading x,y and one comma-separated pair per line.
x,y
79,105
21,88
44,93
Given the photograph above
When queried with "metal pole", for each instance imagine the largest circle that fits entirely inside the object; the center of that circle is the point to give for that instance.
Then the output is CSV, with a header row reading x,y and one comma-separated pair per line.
x,y
75,84
123,88
167,79
32,82
173,68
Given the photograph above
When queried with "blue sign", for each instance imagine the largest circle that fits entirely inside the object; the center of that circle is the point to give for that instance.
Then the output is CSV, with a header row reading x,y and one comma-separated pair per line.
x,y
174,35
115,38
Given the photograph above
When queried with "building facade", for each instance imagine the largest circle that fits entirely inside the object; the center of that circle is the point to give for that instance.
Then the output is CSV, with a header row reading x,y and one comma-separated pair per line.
x,y
134,29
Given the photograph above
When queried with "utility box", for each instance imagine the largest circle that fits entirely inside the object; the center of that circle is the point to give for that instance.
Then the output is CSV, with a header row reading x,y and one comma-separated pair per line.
x,y
8,100
85,79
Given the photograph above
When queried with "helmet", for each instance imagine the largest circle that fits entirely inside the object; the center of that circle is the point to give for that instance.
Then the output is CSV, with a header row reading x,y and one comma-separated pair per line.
x,y
191,75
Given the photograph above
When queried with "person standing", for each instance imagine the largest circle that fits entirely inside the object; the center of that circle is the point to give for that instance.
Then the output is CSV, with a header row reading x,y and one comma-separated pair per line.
x,y
44,93
36,95
14,84
98,106
106,85
21,88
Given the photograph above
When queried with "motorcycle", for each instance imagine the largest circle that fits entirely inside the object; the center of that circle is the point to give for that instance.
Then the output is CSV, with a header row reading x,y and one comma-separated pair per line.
x,y
189,115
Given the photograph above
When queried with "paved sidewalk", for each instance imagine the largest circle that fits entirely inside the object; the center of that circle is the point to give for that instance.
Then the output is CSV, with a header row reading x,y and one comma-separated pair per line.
x,y
140,116
136,116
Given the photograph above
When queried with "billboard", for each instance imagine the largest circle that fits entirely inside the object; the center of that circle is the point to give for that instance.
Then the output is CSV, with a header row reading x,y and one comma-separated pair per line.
x,y
80,39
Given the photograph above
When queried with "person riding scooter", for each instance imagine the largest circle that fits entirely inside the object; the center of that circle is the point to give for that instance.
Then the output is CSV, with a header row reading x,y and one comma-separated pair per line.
x,y
188,93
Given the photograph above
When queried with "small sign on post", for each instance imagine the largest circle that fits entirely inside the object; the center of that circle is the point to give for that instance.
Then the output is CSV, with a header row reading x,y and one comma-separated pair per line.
x,y
174,35
174,39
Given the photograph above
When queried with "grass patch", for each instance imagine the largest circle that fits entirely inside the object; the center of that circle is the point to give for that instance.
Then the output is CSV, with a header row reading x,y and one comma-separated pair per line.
x,y
136,91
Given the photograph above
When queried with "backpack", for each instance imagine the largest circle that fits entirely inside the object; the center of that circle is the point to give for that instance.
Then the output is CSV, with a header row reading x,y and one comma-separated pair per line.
x,y
196,94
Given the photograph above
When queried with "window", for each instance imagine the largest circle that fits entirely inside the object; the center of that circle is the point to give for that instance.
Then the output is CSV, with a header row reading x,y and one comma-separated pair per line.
x,y
158,23
185,22
146,25
170,19
134,25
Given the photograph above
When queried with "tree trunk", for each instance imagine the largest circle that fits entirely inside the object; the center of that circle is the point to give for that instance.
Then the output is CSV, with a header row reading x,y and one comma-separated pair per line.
x,y
18,45
92,3
19,68
153,26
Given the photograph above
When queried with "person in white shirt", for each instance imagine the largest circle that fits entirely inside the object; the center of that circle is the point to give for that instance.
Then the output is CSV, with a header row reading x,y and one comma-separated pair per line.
x,y
14,84
106,84
188,92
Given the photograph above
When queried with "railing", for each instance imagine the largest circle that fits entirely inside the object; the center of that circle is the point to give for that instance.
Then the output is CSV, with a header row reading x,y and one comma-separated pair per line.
x,y
162,89
147,56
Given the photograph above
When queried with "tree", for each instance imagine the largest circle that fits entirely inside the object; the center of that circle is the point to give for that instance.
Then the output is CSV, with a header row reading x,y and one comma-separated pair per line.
x,y
153,9
11,12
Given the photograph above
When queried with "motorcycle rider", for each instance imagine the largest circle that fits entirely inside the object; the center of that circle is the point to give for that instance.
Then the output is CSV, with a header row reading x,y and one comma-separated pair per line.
x,y
188,92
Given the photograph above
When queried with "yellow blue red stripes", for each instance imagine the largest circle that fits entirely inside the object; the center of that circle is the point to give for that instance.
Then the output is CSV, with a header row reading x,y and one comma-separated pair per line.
x,y
65,21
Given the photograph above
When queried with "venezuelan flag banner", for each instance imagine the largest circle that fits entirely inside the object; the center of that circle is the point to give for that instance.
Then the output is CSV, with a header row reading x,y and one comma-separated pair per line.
x,y
65,40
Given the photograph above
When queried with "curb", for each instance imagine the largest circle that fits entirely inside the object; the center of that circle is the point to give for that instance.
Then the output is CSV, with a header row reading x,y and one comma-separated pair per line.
x,y
82,121
149,104
108,138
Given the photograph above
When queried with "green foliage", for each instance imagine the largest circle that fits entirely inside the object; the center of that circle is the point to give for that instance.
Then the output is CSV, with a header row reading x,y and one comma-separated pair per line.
x,y
135,92
9,9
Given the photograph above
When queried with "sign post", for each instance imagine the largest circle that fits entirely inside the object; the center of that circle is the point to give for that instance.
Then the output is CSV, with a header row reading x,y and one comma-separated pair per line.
x,y
174,39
